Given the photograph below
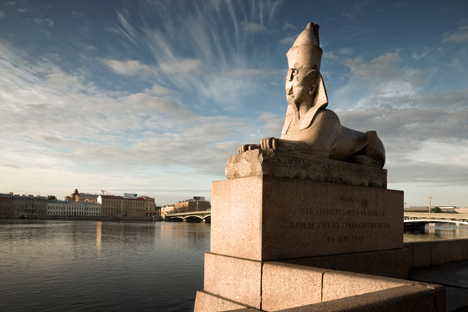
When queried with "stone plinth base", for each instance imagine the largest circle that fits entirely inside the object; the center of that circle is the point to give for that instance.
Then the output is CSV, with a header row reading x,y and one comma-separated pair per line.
x,y
271,218
206,302
293,165
389,263
232,283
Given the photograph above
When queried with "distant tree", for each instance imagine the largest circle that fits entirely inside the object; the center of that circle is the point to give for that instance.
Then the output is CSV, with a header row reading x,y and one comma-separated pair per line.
x,y
51,197
436,210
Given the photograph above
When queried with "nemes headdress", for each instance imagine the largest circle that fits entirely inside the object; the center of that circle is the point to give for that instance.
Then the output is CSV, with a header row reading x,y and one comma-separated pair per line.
x,y
306,53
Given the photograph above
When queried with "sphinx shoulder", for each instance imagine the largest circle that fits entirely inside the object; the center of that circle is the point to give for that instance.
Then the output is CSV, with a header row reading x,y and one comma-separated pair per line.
x,y
326,115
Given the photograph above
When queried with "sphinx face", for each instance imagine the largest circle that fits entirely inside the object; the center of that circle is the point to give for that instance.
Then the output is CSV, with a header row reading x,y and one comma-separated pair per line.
x,y
300,85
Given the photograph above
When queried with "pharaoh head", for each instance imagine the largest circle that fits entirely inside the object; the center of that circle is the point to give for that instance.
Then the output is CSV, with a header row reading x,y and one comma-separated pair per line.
x,y
303,81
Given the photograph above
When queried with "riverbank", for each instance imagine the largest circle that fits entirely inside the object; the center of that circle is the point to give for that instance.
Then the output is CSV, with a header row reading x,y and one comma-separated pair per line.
x,y
90,218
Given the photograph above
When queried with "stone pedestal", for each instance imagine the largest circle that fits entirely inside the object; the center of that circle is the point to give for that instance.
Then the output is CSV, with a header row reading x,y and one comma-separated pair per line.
x,y
338,216
270,218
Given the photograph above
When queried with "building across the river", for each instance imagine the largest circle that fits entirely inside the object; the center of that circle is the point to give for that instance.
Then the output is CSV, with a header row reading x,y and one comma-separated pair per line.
x,y
29,205
81,197
71,208
197,203
112,205
6,205
150,206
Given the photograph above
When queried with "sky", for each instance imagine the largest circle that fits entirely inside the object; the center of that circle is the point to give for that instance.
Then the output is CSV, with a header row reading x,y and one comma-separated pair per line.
x,y
152,97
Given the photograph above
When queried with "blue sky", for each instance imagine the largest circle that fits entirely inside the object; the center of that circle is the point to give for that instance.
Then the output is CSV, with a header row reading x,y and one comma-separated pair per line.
x,y
152,97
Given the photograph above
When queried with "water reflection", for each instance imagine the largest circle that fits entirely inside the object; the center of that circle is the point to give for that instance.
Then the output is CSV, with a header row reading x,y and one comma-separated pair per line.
x,y
98,237
101,266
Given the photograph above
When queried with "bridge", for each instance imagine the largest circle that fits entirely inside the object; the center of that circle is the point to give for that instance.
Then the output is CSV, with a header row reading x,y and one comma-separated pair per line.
x,y
417,222
192,216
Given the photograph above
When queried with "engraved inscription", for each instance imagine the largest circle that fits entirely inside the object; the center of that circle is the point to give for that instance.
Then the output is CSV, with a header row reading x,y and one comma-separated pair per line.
x,y
345,238
337,225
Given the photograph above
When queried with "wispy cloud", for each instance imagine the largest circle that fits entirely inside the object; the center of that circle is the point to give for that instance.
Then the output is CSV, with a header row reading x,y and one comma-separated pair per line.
x,y
182,66
42,21
111,30
458,36
253,27
379,67
129,67
289,40
288,26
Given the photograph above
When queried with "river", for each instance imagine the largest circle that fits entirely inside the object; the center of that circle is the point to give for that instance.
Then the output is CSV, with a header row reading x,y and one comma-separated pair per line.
x,y
101,266
113,266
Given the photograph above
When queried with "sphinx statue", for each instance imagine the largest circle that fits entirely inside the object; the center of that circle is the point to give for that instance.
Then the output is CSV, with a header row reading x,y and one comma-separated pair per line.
x,y
310,128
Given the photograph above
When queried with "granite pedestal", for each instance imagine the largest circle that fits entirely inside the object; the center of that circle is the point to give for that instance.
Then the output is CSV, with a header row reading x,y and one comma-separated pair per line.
x,y
264,215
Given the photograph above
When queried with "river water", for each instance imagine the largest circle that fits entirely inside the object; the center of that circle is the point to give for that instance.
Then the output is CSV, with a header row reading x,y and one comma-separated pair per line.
x,y
101,266
113,266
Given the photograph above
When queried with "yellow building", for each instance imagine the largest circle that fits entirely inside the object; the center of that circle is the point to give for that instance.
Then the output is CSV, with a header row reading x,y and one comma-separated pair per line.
x,y
112,205
197,203
81,197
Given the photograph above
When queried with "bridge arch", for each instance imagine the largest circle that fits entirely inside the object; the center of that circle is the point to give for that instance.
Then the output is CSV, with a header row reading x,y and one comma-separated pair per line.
x,y
193,218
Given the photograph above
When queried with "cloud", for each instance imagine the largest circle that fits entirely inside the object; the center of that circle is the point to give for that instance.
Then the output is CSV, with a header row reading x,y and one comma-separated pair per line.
x,y
245,73
288,26
288,40
420,53
458,36
346,51
161,105
42,22
91,47
379,67
158,90
63,80
128,68
111,30
182,66
253,27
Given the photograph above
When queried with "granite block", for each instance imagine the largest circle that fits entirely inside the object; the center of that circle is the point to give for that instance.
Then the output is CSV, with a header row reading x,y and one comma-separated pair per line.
x,y
422,254
410,251
402,298
445,251
294,165
388,263
233,278
206,302
286,286
236,219
269,218
440,297
338,285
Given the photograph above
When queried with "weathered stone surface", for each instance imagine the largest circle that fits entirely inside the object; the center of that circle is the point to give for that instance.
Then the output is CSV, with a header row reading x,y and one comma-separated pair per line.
x,y
235,279
293,165
388,263
337,285
422,254
206,302
286,286
403,298
409,248
445,251
270,218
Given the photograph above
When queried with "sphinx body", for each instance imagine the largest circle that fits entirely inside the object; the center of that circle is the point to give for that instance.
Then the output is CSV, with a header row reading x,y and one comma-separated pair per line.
x,y
309,127
326,137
